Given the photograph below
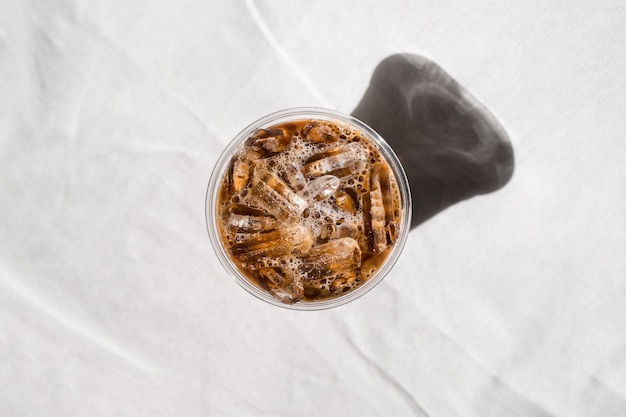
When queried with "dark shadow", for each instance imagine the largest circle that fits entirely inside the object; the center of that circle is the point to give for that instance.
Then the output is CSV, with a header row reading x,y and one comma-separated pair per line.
x,y
452,148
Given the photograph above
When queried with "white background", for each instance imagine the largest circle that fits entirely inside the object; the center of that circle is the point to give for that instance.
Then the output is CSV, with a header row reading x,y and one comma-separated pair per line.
x,y
112,303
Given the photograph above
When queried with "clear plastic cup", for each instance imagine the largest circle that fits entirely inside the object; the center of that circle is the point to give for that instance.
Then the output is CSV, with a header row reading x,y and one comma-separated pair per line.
x,y
296,114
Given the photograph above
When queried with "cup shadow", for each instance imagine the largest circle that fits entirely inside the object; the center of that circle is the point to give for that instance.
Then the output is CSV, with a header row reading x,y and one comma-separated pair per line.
x,y
450,145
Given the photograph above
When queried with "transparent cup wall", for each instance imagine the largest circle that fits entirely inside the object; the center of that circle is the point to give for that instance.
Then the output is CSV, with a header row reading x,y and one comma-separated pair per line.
x,y
297,114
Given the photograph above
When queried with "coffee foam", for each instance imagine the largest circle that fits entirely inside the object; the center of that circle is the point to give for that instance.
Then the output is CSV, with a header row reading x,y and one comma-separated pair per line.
x,y
319,214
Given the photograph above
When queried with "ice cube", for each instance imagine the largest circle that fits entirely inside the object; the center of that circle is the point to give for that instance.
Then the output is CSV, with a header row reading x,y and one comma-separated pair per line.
x,y
274,195
293,240
294,176
247,223
321,188
327,232
336,159
327,287
238,208
347,200
318,133
280,284
270,140
344,282
332,258
239,174
315,289
382,175
374,219
351,171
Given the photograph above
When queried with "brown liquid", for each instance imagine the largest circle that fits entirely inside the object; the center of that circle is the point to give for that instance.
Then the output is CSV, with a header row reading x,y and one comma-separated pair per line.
x,y
308,210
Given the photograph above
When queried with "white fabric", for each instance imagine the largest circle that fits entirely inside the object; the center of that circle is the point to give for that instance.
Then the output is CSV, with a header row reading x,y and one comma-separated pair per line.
x,y
112,303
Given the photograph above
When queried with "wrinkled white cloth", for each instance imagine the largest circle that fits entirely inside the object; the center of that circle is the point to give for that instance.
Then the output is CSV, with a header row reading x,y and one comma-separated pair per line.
x,y
112,115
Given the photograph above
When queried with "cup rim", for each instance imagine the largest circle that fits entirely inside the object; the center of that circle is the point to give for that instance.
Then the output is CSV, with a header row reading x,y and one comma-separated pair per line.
x,y
292,114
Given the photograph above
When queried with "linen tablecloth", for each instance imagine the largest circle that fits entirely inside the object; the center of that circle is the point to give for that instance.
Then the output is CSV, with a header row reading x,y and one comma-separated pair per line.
x,y
112,302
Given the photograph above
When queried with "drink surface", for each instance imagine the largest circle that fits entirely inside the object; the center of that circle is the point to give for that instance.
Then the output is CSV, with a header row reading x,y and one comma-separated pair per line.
x,y
308,210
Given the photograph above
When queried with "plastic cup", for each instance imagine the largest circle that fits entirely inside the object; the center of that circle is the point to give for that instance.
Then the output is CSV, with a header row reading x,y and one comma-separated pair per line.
x,y
295,114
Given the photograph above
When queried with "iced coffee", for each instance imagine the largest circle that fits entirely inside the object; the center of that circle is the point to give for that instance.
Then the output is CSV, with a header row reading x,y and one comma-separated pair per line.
x,y
308,210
